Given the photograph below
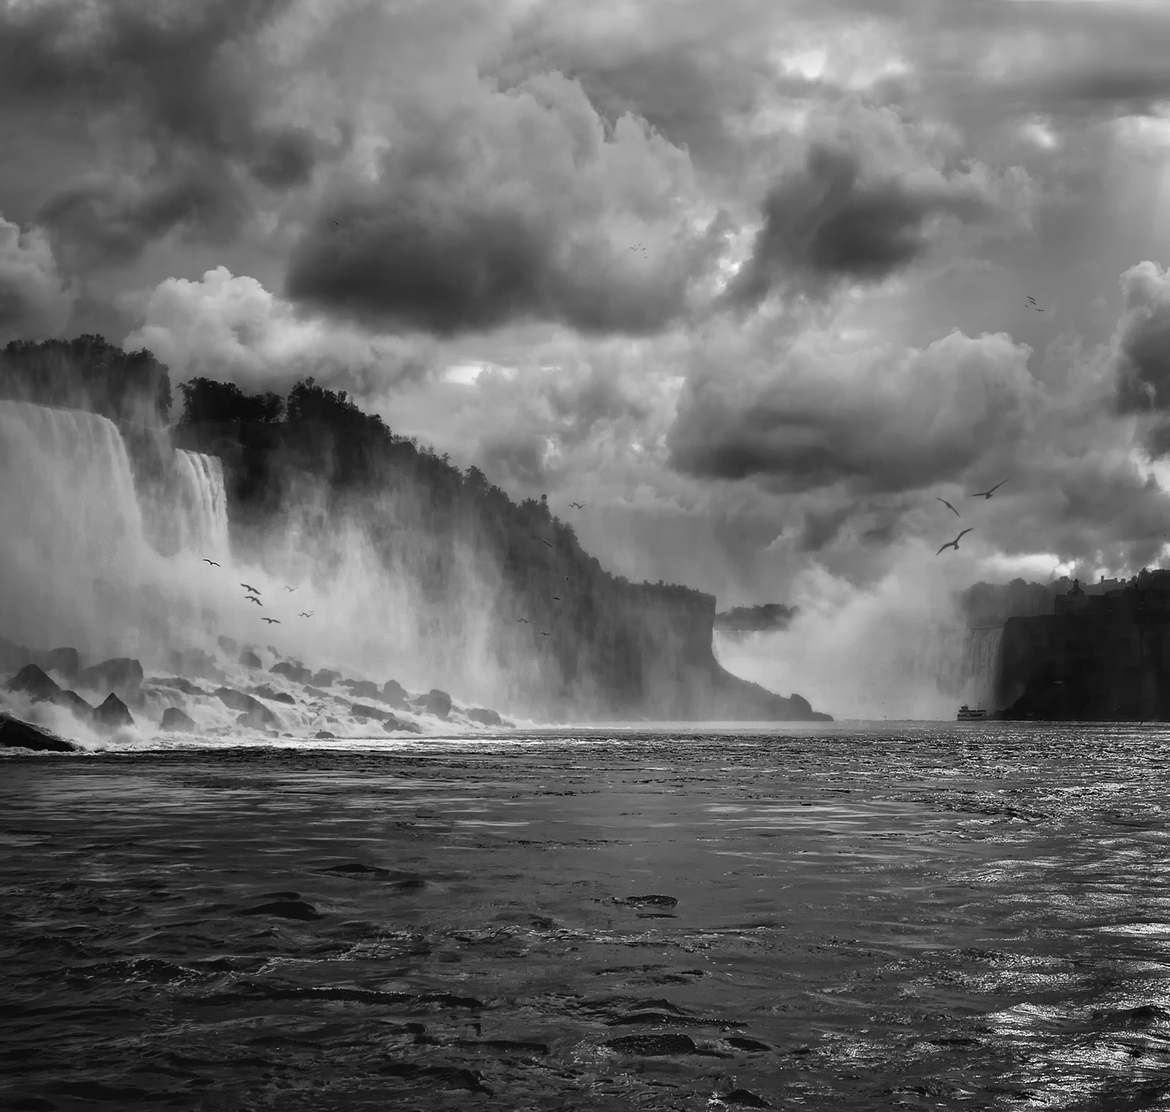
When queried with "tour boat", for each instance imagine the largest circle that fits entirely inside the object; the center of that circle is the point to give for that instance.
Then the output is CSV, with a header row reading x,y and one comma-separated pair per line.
x,y
966,714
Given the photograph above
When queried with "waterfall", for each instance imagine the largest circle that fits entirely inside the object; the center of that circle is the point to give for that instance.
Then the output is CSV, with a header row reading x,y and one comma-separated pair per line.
x,y
967,664
201,504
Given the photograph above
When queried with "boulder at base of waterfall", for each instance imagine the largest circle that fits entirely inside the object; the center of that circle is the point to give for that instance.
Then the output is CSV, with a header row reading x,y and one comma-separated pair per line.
x,y
32,681
435,702
325,735
15,734
362,689
395,694
112,714
194,662
250,660
293,671
65,662
175,719
122,675
326,677
393,723
362,711
254,720
484,716
237,700
266,692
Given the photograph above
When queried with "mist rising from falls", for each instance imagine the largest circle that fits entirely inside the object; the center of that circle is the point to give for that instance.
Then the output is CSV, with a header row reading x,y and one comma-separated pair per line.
x,y
103,536
899,649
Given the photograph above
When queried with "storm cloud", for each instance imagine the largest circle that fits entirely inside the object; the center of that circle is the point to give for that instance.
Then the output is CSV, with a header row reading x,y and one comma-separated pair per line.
x,y
35,302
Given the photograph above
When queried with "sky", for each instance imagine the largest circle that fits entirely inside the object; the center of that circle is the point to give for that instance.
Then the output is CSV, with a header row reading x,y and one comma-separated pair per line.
x,y
748,278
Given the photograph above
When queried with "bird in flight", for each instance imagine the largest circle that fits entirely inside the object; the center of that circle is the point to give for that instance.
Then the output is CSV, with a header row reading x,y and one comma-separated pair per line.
x,y
988,493
949,506
1031,303
290,589
247,588
546,543
307,613
557,598
271,621
543,634
253,598
578,505
955,543
211,562
524,620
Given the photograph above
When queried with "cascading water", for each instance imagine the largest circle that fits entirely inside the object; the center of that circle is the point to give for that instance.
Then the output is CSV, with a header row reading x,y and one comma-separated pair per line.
x,y
201,503
967,664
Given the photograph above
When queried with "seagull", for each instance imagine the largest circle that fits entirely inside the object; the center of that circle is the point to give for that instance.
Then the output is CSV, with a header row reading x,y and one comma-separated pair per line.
x,y
543,634
546,543
306,613
557,598
955,543
948,506
211,562
252,598
290,589
247,588
988,493
524,620
578,505
271,621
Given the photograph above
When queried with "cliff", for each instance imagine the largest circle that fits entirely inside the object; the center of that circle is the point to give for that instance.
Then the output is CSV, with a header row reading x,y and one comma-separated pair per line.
x,y
595,646
1098,657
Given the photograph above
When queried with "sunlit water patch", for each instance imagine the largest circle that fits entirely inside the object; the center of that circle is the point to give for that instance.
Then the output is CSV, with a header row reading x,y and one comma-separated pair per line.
x,y
839,918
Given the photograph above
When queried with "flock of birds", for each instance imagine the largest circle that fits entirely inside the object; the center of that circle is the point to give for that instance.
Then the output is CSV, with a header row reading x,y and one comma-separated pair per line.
x,y
984,494
252,594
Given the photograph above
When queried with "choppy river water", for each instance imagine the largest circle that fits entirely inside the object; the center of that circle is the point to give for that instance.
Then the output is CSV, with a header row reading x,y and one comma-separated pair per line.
x,y
974,916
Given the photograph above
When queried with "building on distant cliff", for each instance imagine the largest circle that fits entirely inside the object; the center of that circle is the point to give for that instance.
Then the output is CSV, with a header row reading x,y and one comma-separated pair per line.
x,y
1098,657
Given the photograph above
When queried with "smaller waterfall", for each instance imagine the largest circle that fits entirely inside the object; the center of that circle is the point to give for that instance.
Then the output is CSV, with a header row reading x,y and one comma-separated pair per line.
x,y
201,504
967,665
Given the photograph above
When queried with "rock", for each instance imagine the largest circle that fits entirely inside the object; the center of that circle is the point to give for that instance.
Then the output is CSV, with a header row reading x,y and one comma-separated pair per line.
x,y
179,684
394,693
122,675
194,662
22,735
75,703
237,700
227,645
326,677
484,716
392,723
32,681
325,735
266,692
360,710
292,671
65,662
254,720
250,660
112,714
435,702
175,719
801,705
653,1045
362,689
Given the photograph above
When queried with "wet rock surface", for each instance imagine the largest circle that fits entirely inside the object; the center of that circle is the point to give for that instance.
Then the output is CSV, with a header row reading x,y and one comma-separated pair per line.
x,y
112,714
17,734
175,719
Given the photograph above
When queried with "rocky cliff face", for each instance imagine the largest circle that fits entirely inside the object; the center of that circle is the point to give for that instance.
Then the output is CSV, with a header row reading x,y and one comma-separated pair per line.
x,y
1099,658
594,646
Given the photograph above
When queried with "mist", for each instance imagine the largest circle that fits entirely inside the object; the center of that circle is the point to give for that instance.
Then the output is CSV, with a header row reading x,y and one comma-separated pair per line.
x,y
897,650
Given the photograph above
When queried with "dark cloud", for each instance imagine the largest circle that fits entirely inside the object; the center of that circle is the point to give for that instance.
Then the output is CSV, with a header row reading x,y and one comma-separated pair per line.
x,y
821,529
883,421
184,88
112,220
503,207
1142,341
35,302
831,220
